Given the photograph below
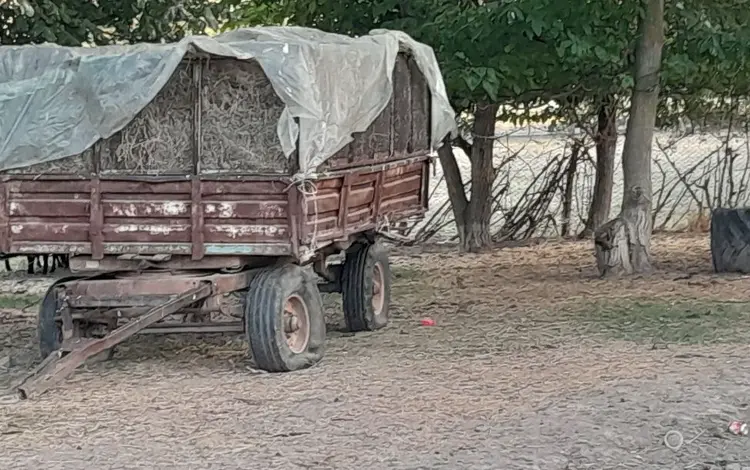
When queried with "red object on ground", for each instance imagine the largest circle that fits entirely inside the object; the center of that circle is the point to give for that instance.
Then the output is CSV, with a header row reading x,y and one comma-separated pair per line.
x,y
428,322
738,428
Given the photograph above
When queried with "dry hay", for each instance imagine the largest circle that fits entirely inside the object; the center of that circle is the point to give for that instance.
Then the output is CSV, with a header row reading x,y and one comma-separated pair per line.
x,y
420,109
239,122
74,165
401,106
160,138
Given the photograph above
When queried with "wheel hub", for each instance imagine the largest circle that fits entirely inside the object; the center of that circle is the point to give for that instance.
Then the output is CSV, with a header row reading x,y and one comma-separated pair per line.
x,y
296,323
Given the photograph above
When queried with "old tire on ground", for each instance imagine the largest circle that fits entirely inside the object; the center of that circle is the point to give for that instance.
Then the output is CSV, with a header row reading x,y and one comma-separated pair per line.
x,y
366,287
284,319
730,240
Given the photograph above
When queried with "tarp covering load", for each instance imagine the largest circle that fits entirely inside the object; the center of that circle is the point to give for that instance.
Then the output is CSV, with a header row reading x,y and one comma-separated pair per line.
x,y
57,101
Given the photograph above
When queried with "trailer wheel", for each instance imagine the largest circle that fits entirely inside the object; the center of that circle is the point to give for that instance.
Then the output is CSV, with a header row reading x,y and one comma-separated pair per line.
x,y
50,333
50,330
366,288
284,319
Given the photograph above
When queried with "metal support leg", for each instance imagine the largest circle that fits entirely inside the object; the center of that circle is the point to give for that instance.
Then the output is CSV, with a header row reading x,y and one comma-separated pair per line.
x,y
59,365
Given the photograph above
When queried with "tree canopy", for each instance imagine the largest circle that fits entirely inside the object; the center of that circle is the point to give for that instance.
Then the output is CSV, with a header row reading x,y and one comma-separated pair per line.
x,y
77,22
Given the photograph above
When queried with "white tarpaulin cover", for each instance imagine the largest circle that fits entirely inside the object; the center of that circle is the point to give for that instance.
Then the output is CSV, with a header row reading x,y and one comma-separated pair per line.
x,y
58,101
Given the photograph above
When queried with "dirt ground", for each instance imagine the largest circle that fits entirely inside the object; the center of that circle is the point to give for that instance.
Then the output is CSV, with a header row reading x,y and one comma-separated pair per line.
x,y
533,363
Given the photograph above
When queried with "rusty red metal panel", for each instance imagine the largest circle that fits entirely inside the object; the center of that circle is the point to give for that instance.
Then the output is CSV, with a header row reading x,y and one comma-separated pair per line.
x,y
146,207
242,233
48,208
196,220
361,194
96,222
146,231
22,185
328,183
404,201
324,201
57,231
219,208
410,184
244,186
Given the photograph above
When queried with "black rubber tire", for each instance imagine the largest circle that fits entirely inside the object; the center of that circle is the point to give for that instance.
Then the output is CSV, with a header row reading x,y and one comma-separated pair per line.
x,y
268,292
730,240
357,284
49,332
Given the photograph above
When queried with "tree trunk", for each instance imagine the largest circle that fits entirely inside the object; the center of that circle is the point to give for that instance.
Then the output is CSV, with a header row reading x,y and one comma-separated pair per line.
x,y
455,186
472,215
479,212
606,147
623,245
570,179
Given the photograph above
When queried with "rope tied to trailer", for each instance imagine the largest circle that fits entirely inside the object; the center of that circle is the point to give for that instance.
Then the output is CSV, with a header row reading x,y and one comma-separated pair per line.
x,y
307,188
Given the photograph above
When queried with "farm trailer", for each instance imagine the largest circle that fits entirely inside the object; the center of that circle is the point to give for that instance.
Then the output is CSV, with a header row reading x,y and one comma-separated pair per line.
x,y
193,184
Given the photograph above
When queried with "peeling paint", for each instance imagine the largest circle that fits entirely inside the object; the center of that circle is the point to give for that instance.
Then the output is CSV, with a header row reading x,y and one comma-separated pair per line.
x,y
150,229
16,229
223,210
169,208
235,231
174,208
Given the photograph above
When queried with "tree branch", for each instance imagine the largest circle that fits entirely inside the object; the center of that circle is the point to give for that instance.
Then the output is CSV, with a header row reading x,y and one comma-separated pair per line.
x,y
463,144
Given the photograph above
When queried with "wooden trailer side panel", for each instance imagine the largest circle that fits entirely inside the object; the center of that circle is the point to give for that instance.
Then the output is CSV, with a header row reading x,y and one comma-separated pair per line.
x,y
103,217
202,217
364,200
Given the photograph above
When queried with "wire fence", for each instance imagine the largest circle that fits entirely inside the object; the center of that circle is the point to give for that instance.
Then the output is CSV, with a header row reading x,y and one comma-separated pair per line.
x,y
691,174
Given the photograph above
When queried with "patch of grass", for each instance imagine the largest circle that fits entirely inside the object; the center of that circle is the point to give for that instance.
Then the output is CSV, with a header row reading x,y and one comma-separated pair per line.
x,y
681,322
19,301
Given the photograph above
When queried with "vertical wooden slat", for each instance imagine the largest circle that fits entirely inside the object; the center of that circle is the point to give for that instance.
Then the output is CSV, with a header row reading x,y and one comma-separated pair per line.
x,y
377,196
346,187
4,219
96,219
294,218
425,183
196,219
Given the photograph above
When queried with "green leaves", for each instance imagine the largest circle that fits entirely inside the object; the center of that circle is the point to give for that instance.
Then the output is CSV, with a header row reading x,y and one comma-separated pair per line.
x,y
74,22
518,53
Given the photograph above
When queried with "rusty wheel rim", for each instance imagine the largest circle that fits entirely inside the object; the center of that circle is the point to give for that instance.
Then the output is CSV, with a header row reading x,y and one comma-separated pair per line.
x,y
378,289
296,323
